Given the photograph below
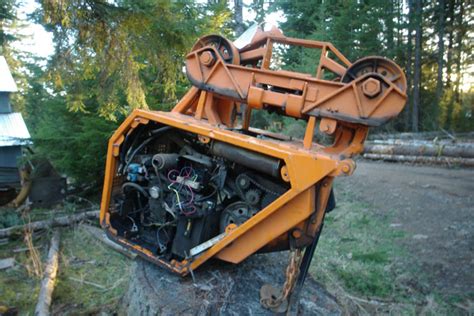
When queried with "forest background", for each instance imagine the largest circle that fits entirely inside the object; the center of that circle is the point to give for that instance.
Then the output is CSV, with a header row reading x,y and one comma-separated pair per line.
x,y
111,57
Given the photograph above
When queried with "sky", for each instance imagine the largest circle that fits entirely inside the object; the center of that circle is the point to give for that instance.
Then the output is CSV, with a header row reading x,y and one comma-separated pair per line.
x,y
36,39
39,42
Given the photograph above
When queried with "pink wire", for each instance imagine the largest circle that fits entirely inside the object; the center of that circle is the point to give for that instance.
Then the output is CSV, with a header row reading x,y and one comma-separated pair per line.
x,y
187,186
190,202
169,175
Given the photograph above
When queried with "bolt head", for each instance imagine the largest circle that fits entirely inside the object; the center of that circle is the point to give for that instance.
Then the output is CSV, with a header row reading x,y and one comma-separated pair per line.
x,y
371,87
206,58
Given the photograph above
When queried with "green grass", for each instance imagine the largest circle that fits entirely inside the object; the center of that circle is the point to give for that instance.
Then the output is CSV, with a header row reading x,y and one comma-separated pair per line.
x,y
361,261
17,287
356,251
104,271
83,259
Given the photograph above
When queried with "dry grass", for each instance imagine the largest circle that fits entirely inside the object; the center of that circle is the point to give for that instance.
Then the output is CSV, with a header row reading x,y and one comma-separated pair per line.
x,y
33,265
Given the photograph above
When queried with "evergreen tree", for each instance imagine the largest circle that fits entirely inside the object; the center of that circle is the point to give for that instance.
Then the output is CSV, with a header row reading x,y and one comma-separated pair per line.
x,y
109,59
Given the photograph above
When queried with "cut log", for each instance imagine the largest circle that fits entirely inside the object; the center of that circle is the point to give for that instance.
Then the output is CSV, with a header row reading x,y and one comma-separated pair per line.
x,y
219,288
422,135
49,278
100,235
54,222
465,162
418,142
431,150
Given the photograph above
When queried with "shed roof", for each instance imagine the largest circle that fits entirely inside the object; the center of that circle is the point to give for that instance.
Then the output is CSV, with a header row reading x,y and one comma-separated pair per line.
x,y
7,84
13,131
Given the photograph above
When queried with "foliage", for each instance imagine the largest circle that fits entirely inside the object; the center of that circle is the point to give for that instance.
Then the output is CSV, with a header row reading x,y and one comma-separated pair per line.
x,y
7,16
9,218
9,29
114,56
364,28
110,58
77,143
133,50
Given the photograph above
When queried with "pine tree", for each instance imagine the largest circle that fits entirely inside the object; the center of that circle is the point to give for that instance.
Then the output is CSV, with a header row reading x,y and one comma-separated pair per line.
x,y
110,58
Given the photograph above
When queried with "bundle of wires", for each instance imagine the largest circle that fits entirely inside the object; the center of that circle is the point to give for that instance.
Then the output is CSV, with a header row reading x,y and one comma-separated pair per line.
x,y
183,200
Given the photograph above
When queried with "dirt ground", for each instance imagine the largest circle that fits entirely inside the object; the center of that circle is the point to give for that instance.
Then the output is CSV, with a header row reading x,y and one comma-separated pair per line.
x,y
434,207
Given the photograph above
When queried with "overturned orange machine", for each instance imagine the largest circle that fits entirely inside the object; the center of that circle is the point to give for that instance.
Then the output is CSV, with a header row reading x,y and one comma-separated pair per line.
x,y
199,182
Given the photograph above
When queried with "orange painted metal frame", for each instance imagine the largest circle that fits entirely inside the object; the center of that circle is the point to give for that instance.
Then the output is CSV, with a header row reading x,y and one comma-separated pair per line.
x,y
305,169
308,167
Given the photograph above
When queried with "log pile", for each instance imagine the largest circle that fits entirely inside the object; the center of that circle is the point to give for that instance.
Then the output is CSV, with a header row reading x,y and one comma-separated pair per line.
x,y
439,151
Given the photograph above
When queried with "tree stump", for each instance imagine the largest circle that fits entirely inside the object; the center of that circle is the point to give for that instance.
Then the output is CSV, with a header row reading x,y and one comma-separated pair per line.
x,y
219,289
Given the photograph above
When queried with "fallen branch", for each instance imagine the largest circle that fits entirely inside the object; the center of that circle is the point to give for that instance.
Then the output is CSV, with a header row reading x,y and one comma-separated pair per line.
x,y
466,162
17,250
88,283
100,235
54,222
50,273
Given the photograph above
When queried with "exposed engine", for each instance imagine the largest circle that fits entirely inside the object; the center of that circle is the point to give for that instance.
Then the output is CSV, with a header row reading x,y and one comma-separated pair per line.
x,y
177,192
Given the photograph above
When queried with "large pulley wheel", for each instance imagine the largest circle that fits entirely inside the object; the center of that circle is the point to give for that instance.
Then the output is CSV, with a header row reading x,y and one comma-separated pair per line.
x,y
236,213
378,66
227,51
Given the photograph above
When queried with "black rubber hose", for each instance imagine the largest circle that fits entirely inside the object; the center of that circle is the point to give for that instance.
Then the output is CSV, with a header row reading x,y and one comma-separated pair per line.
x,y
155,133
136,187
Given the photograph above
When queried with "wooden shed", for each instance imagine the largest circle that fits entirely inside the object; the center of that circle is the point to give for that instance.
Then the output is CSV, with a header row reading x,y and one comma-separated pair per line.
x,y
13,132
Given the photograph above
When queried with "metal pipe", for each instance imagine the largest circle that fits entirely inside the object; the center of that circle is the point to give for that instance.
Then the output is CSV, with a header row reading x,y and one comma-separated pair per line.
x,y
247,158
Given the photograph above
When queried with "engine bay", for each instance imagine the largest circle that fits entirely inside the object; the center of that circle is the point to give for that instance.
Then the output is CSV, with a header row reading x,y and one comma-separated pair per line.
x,y
175,193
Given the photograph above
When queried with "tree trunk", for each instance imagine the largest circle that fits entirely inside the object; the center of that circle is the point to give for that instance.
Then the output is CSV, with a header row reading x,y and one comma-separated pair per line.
x,y
409,105
441,27
218,288
417,70
459,50
449,59
54,222
390,28
238,17
449,62
48,282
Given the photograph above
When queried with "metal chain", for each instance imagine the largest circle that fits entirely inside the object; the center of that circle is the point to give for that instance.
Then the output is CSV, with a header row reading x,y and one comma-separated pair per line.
x,y
292,272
